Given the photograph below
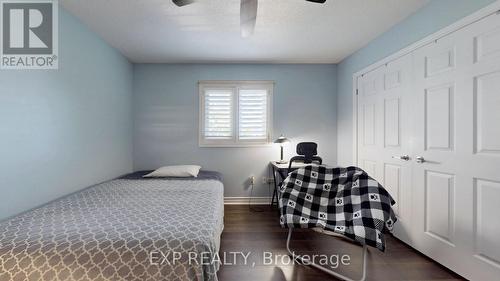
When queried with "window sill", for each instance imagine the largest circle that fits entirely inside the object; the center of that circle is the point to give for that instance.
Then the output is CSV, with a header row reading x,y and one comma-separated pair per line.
x,y
235,145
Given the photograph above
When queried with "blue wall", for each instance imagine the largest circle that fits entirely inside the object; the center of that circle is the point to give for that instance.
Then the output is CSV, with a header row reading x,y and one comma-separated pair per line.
x,y
166,117
432,17
66,129
63,130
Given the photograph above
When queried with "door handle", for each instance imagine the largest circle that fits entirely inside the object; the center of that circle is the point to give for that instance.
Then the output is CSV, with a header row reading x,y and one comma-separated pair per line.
x,y
402,157
419,159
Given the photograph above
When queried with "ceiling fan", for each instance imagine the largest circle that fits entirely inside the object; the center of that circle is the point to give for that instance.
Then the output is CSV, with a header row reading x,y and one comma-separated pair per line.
x,y
248,13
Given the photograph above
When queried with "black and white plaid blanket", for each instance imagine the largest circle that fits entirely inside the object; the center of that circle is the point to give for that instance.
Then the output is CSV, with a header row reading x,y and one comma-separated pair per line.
x,y
346,201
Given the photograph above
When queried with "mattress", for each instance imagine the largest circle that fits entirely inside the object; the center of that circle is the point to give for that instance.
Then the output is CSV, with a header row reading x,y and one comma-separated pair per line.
x,y
202,175
123,229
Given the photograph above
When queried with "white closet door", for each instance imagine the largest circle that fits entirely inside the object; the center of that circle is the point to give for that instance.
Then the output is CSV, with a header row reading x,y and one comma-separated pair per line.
x,y
456,188
383,133
438,181
370,92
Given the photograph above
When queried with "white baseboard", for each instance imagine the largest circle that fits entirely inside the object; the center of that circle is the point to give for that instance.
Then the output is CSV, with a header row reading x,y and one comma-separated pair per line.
x,y
245,200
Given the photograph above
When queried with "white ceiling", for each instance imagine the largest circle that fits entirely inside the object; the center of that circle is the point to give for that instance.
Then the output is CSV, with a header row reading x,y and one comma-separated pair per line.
x,y
287,31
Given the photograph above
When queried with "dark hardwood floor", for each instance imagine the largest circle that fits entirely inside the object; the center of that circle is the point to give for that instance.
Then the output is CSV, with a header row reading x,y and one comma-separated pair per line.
x,y
258,235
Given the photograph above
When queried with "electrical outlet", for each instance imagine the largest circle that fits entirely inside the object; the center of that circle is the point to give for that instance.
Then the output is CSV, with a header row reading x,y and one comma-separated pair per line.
x,y
252,180
266,180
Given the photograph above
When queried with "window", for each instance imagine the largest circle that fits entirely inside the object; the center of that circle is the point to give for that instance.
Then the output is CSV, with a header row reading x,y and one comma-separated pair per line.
x,y
235,113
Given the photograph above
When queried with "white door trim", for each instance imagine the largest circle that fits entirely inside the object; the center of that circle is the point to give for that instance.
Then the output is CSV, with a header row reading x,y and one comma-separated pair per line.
x,y
470,19
355,119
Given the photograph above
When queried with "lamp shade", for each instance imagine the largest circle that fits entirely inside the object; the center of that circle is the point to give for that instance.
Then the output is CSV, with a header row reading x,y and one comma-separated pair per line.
x,y
282,140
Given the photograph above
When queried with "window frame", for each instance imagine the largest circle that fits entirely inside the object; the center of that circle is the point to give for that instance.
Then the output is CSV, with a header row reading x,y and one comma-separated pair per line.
x,y
234,86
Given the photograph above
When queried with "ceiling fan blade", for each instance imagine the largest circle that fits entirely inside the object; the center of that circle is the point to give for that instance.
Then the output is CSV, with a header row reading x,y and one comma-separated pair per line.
x,y
248,16
317,1
181,3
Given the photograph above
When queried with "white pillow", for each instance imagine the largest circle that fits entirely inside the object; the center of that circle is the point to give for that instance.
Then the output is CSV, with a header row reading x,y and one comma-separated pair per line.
x,y
181,171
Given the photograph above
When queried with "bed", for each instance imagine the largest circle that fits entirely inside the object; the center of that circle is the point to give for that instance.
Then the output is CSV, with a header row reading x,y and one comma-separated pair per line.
x,y
129,228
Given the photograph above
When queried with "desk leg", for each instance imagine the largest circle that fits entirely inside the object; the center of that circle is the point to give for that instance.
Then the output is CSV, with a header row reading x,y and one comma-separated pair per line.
x,y
275,192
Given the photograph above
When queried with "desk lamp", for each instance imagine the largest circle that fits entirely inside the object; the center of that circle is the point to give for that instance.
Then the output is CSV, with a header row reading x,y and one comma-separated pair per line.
x,y
282,141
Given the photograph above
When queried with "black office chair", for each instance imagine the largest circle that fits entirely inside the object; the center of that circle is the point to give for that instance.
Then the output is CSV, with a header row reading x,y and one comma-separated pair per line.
x,y
307,153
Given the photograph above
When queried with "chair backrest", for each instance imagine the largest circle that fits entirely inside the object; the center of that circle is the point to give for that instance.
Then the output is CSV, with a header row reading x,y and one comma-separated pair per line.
x,y
307,152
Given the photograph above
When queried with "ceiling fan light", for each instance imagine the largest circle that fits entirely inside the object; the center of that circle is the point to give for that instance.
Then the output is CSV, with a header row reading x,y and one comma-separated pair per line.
x,y
317,1
248,17
181,3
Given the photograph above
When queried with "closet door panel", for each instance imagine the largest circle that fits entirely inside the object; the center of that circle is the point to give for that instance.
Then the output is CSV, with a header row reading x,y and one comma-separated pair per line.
x,y
481,148
383,134
435,172
457,136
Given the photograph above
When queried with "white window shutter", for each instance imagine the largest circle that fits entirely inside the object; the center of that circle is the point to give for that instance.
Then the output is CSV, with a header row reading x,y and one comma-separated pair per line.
x,y
252,111
218,115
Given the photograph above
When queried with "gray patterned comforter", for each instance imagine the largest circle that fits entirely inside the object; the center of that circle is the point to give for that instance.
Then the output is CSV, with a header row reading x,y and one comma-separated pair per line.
x,y
118,230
